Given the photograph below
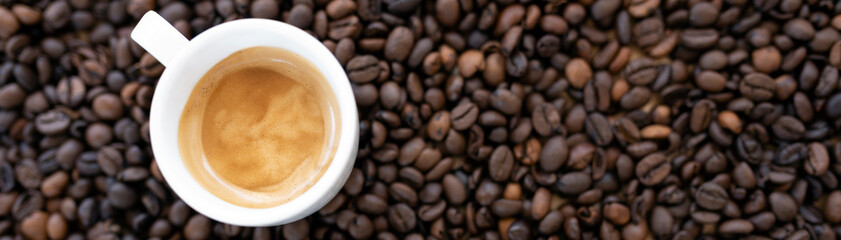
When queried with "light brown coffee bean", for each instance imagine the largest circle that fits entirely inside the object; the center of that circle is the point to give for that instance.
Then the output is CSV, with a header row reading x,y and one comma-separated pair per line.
x,y
578,72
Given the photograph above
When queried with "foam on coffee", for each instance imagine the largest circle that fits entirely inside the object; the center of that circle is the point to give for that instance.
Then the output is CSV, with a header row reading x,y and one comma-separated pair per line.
x,y
259,128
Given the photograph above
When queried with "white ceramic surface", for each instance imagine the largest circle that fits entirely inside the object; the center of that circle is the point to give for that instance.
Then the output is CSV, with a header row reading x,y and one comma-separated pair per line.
x,y
187,61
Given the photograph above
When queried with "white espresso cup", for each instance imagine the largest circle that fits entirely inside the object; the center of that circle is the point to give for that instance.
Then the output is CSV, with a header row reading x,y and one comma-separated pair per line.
x,y
187,61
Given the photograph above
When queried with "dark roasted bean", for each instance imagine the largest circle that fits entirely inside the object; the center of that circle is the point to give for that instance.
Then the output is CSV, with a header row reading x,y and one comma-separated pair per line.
x,y
711,196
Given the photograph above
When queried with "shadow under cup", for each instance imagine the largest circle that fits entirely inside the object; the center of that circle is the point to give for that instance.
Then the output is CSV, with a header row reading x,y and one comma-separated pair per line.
x,y
260,127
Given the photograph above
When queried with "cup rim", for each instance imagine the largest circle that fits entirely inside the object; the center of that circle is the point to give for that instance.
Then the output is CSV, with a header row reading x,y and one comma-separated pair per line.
x,y
183,183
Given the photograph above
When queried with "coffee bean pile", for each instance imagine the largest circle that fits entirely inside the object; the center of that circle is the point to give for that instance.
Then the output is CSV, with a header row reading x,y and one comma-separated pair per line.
x,y
480,119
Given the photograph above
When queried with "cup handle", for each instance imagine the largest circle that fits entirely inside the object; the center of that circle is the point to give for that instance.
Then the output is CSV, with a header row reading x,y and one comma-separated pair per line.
x,y
158,37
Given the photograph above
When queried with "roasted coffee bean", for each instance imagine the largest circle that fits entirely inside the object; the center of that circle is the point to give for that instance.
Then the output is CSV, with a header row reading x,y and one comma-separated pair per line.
x,y
713,60
10,25
401,218
28,174
799,29
783,206
57,14
546,119
344,27
626,132
198,227
701,115
98,134
34,225
110,160
641,71
616,213
506,208
362,69
411,176
56,226
454,189
501,163
710,81
7,176
827,81
699,38
578,72
506,101
661,221
817,162
831,110
573,183
757,86
766,59
540,203
121,196
791,154
788,128
372,204
439,126
703,14
548,45
648,32
598,128
833,215
519,230
554,154
711,196
160,228
517,64
652,169
26,203
11,95
399,44
432,212
736,226
655,131
54,184
635,98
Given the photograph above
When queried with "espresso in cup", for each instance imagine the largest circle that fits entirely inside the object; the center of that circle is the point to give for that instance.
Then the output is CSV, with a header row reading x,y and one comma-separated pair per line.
x,y
260,128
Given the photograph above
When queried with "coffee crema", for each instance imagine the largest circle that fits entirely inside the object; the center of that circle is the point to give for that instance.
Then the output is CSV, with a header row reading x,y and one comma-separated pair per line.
x,y
260,128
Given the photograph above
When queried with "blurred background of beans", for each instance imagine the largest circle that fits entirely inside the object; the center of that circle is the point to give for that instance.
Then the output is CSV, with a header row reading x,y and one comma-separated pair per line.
x,y
480,119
